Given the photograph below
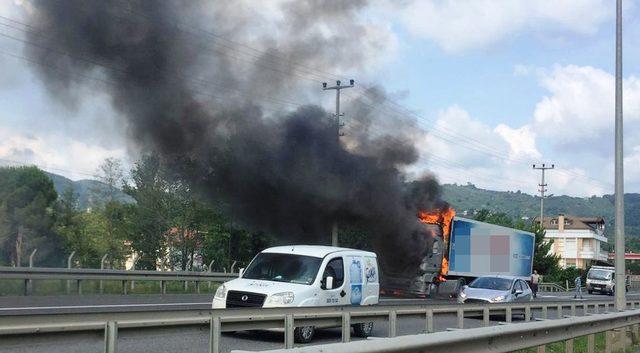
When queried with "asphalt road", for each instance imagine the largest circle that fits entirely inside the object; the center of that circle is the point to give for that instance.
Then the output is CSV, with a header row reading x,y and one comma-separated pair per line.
x,y
193,338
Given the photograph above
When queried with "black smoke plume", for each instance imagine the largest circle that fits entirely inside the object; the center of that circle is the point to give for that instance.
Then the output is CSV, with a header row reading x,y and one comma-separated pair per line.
x,y
182,99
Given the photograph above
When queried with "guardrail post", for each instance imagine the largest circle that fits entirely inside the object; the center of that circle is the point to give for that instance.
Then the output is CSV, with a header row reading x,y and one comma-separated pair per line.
x,y
591,343
429,321
28,284
346,327
573,310
485,316
79,288
124,287
197,287
585,309
101,284
568,346
214,334
596,308
288,331
635,334
544,312
507,314
111,337
527,313
559,310
163,287
69,259
393,322
460,316
608,341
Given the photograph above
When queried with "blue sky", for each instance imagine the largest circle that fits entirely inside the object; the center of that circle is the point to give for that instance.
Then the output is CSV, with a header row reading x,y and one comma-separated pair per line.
x,y
497,85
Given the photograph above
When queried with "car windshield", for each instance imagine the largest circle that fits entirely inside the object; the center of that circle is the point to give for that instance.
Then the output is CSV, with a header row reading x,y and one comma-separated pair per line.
x,y
599,274
283,268
495,283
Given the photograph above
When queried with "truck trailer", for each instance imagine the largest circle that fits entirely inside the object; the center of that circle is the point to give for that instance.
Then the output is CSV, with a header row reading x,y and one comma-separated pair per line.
x,y
458,251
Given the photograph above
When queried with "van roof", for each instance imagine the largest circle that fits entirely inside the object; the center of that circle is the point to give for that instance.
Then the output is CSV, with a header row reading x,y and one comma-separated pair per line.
x,y
313,250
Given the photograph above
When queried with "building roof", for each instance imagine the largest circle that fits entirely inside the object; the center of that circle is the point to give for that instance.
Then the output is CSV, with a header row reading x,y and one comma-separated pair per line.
x,y
312,250
573,222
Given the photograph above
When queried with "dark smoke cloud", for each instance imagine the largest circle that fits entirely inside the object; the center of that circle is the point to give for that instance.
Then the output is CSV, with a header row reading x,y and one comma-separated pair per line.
x,y
283,173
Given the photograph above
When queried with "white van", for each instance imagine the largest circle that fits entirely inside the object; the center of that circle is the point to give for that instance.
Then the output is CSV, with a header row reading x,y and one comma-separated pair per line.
x,y
305,275
603,280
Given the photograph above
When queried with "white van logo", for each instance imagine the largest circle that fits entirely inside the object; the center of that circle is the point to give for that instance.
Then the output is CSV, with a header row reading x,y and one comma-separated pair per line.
x,y
245,298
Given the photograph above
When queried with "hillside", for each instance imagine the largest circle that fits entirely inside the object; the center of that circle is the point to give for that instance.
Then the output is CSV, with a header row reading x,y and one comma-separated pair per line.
x,y
517,205
462,197
87,191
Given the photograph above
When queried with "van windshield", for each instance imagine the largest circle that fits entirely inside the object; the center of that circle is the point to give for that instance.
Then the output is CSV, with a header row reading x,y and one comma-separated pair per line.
x,y
283,268
599,274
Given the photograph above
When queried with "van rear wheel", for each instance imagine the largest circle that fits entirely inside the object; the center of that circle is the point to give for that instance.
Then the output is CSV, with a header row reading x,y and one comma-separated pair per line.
x,y
304,334
363,330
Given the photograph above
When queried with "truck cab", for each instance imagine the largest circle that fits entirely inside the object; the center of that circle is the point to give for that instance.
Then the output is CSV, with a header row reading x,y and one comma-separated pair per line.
x,y
305,275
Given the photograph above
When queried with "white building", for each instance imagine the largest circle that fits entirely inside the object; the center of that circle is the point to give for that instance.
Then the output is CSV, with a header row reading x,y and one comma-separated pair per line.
x,y
578,240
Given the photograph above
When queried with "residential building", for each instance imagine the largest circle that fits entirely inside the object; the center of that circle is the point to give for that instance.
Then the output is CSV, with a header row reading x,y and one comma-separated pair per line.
x,y
577,240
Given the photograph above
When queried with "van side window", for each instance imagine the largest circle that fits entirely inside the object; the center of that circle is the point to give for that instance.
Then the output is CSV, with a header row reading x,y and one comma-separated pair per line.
x,y
335,269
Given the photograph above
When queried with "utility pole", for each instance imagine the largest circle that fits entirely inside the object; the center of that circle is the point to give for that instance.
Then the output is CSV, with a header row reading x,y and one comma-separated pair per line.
x,y
620,299
543,189
338,87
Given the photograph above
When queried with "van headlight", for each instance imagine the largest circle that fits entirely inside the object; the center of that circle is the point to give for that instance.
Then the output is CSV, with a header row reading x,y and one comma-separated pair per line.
x,y
281,298
221,292
497,299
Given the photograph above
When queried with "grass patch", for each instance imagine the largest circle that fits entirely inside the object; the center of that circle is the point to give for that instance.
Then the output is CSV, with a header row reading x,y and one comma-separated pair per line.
x,y
579,346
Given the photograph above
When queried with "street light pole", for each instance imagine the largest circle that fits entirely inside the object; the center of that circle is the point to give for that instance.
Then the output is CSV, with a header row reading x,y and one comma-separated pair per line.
x,y
620,295
338,87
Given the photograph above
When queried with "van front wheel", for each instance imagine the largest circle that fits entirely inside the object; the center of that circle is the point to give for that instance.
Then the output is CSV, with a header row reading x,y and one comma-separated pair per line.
x,y
304,334
363,330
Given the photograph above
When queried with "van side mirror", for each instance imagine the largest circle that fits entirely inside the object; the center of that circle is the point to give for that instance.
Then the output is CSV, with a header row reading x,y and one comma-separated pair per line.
x,y
518,292
329,283
240,273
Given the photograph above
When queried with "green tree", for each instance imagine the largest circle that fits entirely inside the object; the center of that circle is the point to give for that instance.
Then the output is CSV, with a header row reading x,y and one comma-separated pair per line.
x,y
27,197
92,233
151,214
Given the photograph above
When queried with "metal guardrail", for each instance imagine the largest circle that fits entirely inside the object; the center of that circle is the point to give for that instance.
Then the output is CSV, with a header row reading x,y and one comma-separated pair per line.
x,y
551,287
29,274
497,338
224,320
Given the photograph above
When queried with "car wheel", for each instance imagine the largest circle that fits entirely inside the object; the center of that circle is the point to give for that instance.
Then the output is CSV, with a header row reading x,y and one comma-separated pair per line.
x,y
304,334
363,330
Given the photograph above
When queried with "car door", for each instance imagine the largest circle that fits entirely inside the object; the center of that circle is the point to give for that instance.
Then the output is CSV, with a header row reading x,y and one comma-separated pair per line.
x,y
527,293
338,294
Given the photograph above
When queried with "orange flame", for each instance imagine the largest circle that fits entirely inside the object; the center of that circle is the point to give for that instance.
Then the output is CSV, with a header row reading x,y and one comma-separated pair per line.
x,y
443,218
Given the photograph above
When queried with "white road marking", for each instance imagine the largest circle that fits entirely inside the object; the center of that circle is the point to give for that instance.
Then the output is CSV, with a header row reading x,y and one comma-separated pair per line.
x,y
100,306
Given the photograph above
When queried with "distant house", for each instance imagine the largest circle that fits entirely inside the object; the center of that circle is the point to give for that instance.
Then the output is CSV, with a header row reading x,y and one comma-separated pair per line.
x,y
577,240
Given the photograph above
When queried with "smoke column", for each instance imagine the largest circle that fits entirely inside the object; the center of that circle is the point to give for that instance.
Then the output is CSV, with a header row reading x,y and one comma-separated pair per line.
x,y
282,173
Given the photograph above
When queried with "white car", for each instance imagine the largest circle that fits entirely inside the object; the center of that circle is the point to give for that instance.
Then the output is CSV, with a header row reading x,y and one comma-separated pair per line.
x,y
305,275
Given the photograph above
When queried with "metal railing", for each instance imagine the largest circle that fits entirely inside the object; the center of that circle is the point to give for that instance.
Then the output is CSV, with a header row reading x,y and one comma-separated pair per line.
x,y
225,320
501,338
78,275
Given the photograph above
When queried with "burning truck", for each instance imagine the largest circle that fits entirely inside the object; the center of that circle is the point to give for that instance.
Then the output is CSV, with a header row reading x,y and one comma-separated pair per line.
x,y
458,250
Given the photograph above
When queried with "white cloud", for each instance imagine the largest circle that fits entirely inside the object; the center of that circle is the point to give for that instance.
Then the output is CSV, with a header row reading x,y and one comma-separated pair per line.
x,y
581,103
522,141
58,154
459,25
